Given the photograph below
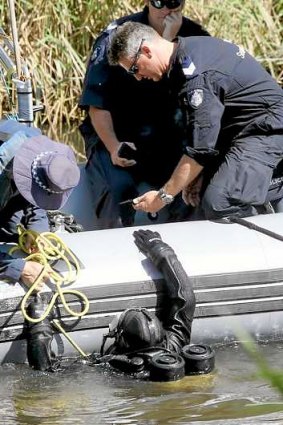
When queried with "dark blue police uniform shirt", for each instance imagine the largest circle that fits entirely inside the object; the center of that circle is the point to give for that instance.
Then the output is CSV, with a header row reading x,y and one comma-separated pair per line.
x,y
142,111
225,94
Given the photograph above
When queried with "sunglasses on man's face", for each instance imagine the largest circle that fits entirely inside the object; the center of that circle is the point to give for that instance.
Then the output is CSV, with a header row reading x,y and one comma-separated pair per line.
x,y
134,69
170,4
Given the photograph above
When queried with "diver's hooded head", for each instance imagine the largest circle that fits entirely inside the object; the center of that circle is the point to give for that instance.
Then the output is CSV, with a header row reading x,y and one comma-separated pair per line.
x,y
136,329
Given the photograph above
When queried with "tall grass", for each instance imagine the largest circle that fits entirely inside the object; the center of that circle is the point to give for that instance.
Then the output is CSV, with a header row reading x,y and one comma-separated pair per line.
x,y
56,38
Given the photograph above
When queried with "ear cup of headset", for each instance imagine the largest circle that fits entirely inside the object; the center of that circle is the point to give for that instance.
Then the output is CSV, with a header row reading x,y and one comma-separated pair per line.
x,y
199,359
166,367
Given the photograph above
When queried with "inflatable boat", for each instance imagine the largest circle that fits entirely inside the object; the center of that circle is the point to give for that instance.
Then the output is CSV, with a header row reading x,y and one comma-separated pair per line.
x,y
236,272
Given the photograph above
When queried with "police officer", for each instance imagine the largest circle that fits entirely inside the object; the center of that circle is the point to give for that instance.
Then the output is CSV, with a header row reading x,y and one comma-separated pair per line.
x,y
120,110
233,111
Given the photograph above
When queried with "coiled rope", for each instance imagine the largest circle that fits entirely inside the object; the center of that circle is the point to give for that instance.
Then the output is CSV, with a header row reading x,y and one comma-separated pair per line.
x,y
50,247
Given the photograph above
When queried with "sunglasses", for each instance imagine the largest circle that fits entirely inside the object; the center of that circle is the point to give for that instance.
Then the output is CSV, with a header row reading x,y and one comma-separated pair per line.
x,y
170,4
133,70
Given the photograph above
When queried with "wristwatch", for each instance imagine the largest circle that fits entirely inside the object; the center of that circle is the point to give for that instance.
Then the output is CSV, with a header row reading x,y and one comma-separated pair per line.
x,y
165,197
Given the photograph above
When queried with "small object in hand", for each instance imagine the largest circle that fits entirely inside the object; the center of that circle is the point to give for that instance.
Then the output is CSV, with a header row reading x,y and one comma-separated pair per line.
x,y
128,201
127,152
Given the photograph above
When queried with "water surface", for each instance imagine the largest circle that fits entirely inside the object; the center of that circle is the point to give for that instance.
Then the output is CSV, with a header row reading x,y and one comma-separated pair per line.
x,y
233,394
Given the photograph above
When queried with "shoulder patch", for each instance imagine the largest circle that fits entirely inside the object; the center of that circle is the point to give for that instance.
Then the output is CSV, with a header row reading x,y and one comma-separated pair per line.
x,y
196,98
97,54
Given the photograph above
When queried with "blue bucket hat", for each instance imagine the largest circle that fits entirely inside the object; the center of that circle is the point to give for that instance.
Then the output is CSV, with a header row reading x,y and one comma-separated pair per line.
x,y
45,172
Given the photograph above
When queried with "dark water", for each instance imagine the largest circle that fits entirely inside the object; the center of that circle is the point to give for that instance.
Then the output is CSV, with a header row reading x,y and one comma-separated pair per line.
x,y
234,394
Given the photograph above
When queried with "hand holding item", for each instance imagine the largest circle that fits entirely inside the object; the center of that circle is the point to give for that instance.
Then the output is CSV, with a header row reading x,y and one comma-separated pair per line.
x,y
30,245
149,202
30,273
151,216
121,149
172,24
191,194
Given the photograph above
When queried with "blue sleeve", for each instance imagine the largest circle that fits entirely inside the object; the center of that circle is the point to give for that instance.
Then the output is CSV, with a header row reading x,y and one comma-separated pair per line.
x,y
97,76
36,219
10,268
204,110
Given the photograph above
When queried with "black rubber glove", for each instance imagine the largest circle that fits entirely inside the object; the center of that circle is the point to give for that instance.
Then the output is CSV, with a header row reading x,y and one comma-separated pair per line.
x,y
152,246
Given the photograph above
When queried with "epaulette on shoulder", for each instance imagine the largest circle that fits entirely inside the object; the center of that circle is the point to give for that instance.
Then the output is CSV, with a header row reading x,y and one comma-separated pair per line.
x,y
188,66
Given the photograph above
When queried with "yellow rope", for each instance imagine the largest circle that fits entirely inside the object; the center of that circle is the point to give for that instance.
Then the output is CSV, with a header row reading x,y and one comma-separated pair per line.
x,y
57,324
50,247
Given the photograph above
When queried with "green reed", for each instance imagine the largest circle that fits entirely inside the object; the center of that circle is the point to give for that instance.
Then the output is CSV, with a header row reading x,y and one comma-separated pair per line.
x,y
56,39
270,373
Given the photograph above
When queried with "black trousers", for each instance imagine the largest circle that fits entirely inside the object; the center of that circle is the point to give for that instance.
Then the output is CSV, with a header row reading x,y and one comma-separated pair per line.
x,y
243,180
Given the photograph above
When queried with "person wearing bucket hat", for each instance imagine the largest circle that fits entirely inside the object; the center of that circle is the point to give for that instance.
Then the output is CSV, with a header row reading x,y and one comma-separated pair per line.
x,y
36,174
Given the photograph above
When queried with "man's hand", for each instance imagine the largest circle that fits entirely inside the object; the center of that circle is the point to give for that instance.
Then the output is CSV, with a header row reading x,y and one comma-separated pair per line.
x,y
121,162
191,194
172,24
30,245
31,271
149,202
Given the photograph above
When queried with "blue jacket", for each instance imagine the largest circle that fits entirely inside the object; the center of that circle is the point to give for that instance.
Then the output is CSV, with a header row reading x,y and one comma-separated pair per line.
x,y
14,209
226,96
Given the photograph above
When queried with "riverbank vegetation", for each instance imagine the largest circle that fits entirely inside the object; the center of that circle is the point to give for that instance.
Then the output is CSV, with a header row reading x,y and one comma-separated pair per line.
x,y
56,39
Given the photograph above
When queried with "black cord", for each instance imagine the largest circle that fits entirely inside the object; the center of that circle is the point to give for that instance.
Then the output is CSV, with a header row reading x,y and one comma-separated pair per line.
x,y
252,226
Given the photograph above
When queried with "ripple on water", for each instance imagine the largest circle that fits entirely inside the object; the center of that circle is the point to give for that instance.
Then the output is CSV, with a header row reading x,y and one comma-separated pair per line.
x,y
233,394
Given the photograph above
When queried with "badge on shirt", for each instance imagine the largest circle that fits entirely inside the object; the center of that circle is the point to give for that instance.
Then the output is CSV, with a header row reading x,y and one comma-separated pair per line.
x,y
95,54
196,98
